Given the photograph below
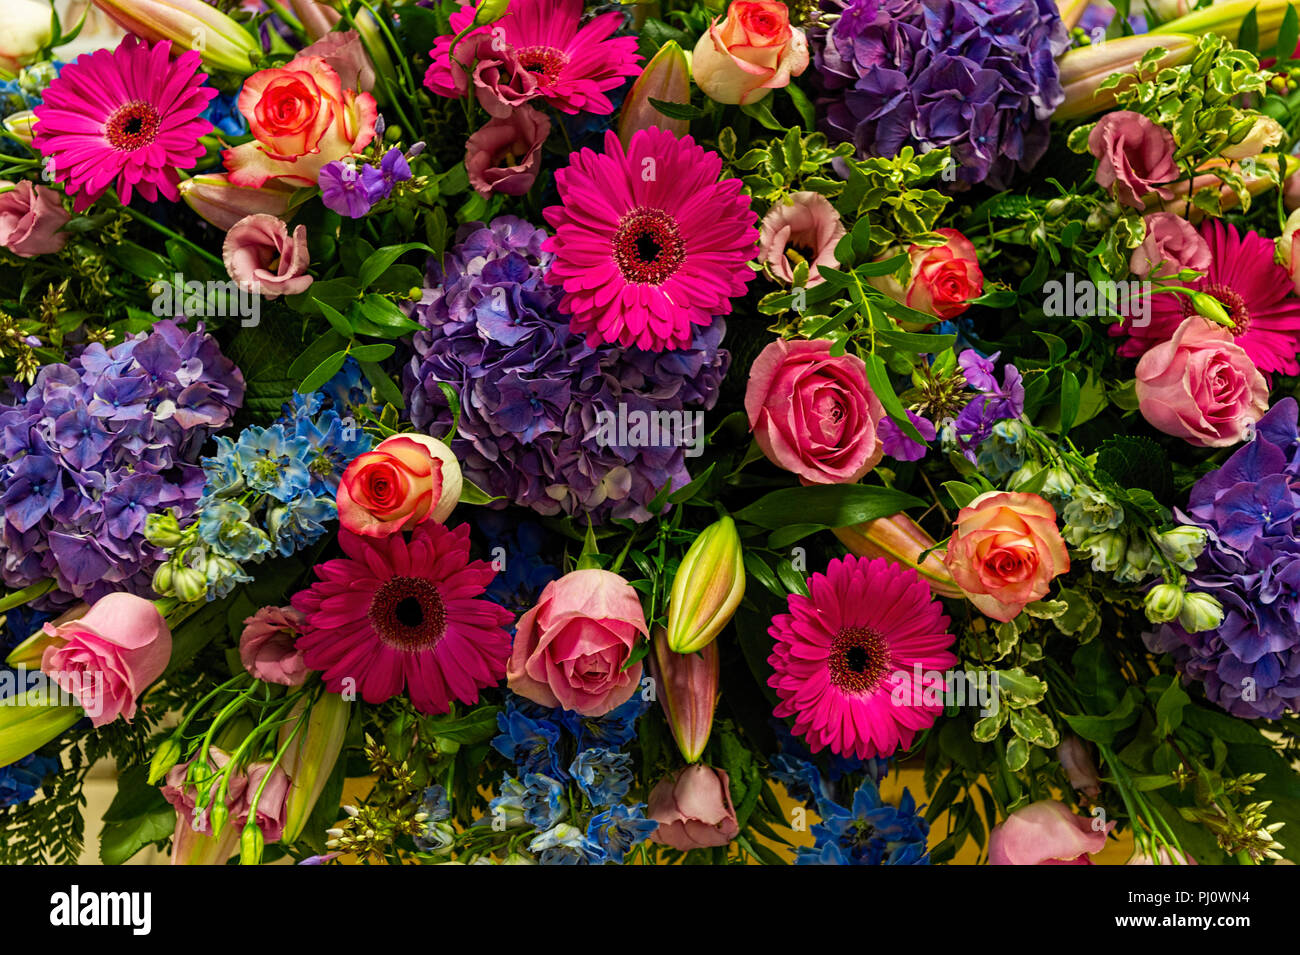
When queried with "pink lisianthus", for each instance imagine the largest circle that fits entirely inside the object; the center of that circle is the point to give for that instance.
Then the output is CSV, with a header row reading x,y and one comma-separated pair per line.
x,y
263,258
693,809
30,219
1135,157
807,223
505,154
266,646
1046,833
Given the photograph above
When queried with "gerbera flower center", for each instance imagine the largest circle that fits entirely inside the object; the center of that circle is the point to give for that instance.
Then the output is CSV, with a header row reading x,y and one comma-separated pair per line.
x,y
408,614
132,126
546,61
1231,300
859,659
648,246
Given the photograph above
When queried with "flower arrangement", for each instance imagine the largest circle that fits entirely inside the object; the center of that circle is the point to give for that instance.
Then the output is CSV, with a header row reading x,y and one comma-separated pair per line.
x,y
481,433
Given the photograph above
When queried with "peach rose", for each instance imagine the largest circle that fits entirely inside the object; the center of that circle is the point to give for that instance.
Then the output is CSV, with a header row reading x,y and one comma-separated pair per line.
x,y
754,51
944,277
1201,386
1004,551
301,118
406,480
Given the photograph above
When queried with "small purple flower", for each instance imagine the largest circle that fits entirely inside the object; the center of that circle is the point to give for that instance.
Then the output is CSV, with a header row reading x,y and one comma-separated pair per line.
x,y
898,445
347,190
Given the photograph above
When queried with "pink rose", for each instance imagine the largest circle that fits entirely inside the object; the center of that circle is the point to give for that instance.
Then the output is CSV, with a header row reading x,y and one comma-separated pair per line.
x,y
1004,551
754,51
301,117
1046,833
1201,386
571,649
346,56
505,154
944,278
693,809
403,481
1170,245
107,658
1135,156
262,258
30,219
814,414
267,646
809,223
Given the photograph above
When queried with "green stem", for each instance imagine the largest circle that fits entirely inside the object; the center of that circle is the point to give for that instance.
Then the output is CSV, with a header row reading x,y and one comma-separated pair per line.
x,y
171,234
26,595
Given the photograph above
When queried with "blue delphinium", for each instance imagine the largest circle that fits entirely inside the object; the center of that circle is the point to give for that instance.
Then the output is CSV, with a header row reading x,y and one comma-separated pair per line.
x,y
615,729
1250,663
437,809
544,800
531,744
515,550
566,845
224,526
20,781
619,828
871,832
603,775
223,113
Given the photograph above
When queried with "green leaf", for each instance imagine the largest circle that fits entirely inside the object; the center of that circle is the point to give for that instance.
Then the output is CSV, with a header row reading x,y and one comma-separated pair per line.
x,y
762,112
476,726
119,841
471,493
385,313
382,382
338,321
1169,708
1248,34
377,264
315,353
688,491
760,571
916,343
1104,729
831,505
878,376
960,492
803,104
676,110
1069,400
882,267
323,373
376,352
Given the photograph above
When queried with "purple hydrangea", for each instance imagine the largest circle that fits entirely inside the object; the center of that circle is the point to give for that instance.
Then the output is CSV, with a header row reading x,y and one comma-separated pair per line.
x,y
1250,664
535,398
977,76
97,444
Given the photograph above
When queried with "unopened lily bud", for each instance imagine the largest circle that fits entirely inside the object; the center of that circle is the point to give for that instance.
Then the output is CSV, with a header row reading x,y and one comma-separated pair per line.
x,y
189,584
708,588
214,198
188,24
167,756
251,843
667,78
29,722
1163,603
19,126
688,689
901,540
310,759
1200,612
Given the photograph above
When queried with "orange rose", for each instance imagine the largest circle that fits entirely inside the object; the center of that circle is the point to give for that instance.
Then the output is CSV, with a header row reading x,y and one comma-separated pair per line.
x,y
1004,551
301,118
751,53
405,480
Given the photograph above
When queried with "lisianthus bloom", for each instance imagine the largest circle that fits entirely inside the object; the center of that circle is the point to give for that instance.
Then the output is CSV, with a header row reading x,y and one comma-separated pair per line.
x,y
693,809
130,115
754,50
401,614
30,219
845,666
1135,157
1005,550
505,155
263,258
807,223
1170,245
538,49
405,480
301,117
266,646
648,243
1046,833
1253,289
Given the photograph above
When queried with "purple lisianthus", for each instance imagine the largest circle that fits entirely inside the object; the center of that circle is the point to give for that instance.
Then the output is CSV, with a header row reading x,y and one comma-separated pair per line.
x,y
1250,664
977,76
538,405
95,445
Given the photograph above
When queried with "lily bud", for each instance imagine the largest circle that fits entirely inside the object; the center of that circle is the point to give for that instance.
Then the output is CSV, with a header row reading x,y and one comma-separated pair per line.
x,y
189,25
1072,11
688,690
19,126
1226,18
667,78
29,723
251,843
901,540
167,756
310,760
1085,68
29,653
708,588
316,18
1257,181
1163,603
1200,612
214,198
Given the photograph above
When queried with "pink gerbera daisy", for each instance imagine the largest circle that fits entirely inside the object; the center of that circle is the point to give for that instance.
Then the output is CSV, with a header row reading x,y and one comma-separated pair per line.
x,y
130,114
648,243
1253,289
846,658
405,614
571,67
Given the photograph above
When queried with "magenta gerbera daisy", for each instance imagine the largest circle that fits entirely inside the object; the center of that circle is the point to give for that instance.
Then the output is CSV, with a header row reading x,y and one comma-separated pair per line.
x,y
847,658
130,114
536,49
1253,289
405,614
648,243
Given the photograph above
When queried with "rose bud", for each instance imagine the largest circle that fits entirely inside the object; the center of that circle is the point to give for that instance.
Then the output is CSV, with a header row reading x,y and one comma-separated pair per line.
x,y
311,756
215,198
688,690
901,540
667,78
707,589
754,51
407,479
226,46
944,278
